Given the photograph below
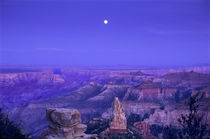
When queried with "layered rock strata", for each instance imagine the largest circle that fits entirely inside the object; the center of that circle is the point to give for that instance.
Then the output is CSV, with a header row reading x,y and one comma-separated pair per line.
x,y
118,119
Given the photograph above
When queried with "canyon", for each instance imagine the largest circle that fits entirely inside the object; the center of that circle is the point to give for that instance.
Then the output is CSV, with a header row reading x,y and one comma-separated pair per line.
x,y
156,96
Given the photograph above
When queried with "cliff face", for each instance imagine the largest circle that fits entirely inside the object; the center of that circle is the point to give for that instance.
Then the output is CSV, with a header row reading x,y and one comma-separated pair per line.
x,y
164,117
143,109
21,88
170,114
150,91
187,79
30,78
108,93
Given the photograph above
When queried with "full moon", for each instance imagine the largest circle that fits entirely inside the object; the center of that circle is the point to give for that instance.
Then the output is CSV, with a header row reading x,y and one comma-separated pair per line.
x,y
105,21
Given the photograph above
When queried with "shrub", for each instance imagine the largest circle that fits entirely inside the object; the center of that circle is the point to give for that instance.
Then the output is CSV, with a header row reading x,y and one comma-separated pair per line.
x,y
10,130
192,123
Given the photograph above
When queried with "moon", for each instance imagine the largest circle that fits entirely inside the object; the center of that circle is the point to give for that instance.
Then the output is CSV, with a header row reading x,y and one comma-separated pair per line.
x,y
105,21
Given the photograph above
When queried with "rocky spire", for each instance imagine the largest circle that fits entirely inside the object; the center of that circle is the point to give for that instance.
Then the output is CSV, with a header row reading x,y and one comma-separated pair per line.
x,y
118,119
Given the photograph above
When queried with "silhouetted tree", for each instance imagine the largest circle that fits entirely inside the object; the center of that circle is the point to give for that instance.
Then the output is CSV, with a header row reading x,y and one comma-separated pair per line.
x,y
10,130
134,118
192,123
169,132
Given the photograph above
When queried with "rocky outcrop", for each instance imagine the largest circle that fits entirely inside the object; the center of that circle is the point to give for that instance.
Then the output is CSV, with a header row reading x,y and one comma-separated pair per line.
x,y
165,117
150,91
187,79
118,119
170,114
118,122
107,94
66,124
63,117
143,109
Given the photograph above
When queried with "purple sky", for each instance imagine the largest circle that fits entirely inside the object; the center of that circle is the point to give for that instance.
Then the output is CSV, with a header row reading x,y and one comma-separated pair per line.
x,y
139,32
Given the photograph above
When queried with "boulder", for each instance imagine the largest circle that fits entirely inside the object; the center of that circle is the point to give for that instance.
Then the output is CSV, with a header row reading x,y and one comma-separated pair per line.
x,y
63,117
66,124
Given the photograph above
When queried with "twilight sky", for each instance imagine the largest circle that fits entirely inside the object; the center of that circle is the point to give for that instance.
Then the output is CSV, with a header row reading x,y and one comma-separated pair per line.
x,y
139,32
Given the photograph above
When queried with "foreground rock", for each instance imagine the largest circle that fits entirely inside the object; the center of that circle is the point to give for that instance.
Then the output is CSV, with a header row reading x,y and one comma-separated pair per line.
x,y
66,124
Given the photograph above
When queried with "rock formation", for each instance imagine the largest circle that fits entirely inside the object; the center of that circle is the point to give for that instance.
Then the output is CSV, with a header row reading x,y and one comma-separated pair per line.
x,y
143,109
150,91
66,124
118,122
108,93
118,119
187,79
170,114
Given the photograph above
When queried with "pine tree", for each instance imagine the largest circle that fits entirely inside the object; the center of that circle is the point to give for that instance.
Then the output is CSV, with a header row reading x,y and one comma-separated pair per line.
x,y
192,123
10,130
